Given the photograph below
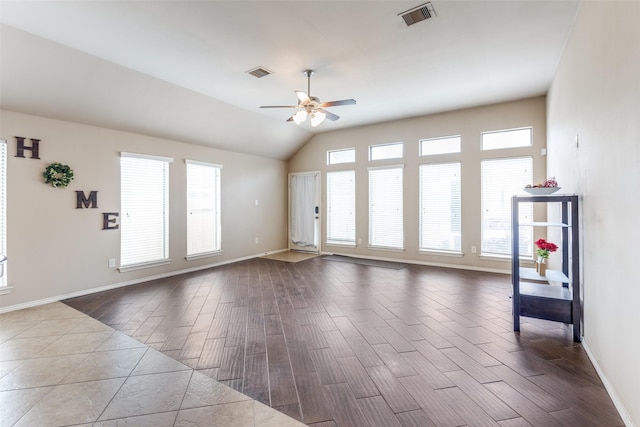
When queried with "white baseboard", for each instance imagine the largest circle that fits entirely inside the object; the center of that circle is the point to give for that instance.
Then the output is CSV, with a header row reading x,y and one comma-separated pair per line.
x,y
432,264
626,418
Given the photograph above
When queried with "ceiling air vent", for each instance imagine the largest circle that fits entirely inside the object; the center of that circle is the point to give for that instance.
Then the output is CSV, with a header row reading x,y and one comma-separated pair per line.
x,y
417,14
259,72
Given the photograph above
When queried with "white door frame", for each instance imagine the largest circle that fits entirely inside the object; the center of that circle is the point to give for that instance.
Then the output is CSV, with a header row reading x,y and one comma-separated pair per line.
x,y
315,248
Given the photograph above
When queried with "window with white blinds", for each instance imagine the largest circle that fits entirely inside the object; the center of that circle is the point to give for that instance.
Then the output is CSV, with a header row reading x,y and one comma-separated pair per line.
x,y
386,208
203,209
500,180
3,212
341,207
440,207
144,216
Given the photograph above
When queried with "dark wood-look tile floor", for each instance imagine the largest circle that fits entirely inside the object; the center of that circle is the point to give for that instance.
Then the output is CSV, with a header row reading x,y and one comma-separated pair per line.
x,y
339,344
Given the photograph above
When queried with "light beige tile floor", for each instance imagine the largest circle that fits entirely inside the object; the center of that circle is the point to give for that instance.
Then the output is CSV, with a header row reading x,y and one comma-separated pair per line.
x,y
291,256
60,367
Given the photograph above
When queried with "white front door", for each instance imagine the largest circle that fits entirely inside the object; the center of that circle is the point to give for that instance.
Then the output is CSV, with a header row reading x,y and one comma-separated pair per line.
x,y
304,211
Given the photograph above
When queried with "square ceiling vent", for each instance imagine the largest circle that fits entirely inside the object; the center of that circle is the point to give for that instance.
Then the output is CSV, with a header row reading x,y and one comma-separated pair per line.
x,y
259,72
418,14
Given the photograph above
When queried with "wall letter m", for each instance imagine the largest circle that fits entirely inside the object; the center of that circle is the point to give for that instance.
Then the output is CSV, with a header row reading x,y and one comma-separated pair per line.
x,y
87,202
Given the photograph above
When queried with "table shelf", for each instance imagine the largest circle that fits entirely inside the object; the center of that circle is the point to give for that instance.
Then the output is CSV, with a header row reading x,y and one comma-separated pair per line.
x,y
556,295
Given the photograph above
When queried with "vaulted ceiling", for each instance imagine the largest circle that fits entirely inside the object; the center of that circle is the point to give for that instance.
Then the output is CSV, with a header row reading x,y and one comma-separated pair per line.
x,y
178,69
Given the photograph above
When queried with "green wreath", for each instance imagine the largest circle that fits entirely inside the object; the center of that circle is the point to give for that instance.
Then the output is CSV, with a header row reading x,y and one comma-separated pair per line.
x,y
58,175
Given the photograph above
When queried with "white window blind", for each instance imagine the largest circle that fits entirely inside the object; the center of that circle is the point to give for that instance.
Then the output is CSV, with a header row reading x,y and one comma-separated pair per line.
x,y
386,208
440,207
144,218
3,211
203,209
500,180
341,207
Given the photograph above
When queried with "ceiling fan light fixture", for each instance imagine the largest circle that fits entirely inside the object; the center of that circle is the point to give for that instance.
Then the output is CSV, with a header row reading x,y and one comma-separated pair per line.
x,y
317,118
300,117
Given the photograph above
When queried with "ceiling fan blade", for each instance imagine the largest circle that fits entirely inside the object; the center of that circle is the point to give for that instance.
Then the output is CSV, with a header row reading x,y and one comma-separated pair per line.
x,y
278,106
329,114
303,96
290,119
337,103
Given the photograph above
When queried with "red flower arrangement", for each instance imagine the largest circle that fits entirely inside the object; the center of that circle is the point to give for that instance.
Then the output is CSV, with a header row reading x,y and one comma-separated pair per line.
x,y
545,248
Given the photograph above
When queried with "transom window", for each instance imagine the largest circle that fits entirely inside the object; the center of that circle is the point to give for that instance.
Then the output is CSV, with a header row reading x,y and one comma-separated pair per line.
x,y
335,157
443,145
510,138
386,151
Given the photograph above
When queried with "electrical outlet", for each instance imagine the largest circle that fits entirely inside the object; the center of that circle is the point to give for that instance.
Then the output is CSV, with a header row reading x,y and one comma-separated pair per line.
x,y
257,202
112,263
474,249
257,240
359,241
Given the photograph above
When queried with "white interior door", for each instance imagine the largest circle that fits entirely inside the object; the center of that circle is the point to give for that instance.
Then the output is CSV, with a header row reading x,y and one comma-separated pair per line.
x,y
304,211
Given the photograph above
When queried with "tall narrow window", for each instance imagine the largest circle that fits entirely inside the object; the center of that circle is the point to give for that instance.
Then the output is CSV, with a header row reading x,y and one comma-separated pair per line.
x,y
385,208
440,207
203,209
341,207
144,221
500,180
3,213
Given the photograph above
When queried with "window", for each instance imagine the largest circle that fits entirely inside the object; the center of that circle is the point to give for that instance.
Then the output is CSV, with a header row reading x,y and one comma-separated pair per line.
x,y
506,139
386,151
3,213
335,157
385,208
444,145
341,207
144,222
203,209
501,179
440,207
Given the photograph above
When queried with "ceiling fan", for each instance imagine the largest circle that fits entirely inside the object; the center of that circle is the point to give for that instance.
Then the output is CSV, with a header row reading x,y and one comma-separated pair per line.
x,y
311,106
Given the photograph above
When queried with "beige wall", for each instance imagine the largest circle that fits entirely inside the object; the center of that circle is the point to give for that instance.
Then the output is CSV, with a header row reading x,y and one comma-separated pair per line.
x,y
596,95
468,123
56,250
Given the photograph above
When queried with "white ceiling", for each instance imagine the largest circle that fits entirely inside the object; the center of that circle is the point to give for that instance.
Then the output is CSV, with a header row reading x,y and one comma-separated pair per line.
x,y
177,69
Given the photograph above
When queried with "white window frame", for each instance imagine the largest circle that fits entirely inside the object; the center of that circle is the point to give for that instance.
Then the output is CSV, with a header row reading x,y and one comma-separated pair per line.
x,y
345,215
445,199
162,229
381,219
213,245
